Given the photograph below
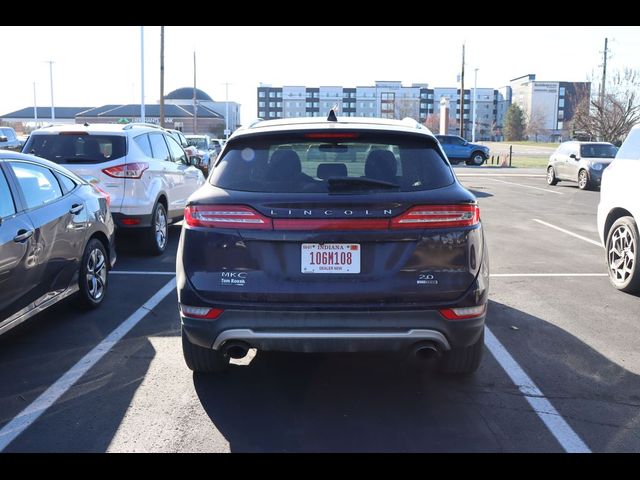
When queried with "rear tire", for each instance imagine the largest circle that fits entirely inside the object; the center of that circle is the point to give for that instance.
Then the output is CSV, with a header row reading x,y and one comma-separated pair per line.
x,y
551,176
93,277
622,255
203,360
463,361
157,234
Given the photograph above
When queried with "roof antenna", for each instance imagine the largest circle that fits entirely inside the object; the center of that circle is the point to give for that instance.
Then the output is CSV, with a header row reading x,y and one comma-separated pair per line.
x,y
332,114
86,124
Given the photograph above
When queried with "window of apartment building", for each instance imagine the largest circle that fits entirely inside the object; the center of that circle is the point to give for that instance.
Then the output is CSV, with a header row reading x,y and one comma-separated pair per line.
x,y
279,94
388,96
272,94
560,125
261,113
561,103
561,94
279,104
371,104
561,115
261,94
272,114
287,104
423,104
423,95
261,104
272,104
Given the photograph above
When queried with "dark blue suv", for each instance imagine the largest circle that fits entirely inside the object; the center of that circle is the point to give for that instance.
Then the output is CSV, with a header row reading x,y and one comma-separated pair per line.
x,y
369,244
459,150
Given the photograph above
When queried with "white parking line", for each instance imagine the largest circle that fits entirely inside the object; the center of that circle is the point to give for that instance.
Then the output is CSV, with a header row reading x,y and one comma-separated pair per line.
x,y
558,427
32,412
528,186
569,233
536,175
494,275
131,272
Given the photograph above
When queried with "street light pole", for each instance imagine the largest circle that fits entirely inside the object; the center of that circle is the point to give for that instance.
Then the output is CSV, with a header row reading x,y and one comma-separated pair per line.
x,y
462,96
53,108
226,116
475,97
142,114
35,106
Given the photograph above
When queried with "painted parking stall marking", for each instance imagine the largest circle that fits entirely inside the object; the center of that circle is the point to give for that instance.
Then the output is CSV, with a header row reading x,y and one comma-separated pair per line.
x,y
558,427
560,229
40,405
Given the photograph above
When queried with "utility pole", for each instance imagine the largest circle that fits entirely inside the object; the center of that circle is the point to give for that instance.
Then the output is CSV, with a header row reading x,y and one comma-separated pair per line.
x,y
35,105
53,108
142,115
475,96
462,96
162,76
604,71
226,116
195,103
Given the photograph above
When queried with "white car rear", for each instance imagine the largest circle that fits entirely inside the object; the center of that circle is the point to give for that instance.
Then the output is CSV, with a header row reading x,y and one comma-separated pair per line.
x,y
144,170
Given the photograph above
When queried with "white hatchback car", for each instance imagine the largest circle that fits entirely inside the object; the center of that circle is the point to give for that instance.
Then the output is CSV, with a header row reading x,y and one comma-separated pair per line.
x,y
619,214
144,170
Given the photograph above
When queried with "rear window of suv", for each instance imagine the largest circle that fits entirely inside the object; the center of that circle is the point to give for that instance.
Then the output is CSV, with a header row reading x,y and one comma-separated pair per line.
x,y
333,162
77,148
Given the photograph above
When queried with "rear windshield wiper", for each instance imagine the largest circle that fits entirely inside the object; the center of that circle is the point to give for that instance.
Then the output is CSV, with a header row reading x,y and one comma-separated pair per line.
x,y
347,184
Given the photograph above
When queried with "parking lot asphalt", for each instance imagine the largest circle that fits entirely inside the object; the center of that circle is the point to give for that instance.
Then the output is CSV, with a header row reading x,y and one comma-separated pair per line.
x,y
560,371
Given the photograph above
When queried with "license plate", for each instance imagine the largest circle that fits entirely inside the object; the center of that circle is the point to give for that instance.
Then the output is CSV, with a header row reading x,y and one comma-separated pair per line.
x,y
330,258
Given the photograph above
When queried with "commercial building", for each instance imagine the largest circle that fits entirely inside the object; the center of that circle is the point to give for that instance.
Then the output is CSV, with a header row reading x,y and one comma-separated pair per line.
x,y
548,105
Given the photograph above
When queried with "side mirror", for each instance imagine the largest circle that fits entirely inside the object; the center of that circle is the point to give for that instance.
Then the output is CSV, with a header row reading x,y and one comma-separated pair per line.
x,y
3,138
573,155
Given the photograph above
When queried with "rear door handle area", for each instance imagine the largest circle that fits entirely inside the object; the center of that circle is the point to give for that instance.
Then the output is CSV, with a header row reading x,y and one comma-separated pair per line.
x,y
76,208
22,235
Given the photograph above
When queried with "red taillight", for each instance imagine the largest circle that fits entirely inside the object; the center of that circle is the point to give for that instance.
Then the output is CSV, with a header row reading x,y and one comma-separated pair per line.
x,y
128,170
226,216
329,135
201,312
131,221
99,191
463,313
438,216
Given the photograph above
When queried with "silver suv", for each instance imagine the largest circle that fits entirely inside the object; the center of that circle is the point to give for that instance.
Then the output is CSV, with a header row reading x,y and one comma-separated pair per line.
x,y
9,140
141,167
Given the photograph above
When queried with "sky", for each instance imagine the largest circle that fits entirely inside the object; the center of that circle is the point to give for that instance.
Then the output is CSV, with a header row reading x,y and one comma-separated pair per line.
x,y
94,66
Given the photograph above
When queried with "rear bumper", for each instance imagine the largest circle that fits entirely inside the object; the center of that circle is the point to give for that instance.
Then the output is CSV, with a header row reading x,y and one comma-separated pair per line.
x,y
332,331
120,219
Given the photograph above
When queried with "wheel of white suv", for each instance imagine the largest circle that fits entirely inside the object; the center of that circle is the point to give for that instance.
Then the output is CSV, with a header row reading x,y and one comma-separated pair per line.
x,y
203,360
463,361
93,274
622,255
551,176
158,232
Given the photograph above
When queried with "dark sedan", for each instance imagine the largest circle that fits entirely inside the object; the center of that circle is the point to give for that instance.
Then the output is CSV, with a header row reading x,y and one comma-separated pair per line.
x,y
385,252
56,238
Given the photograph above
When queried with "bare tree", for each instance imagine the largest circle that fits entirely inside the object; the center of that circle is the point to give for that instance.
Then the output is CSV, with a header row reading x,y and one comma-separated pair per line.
x,y
610,118
406,107
432,122
536,124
